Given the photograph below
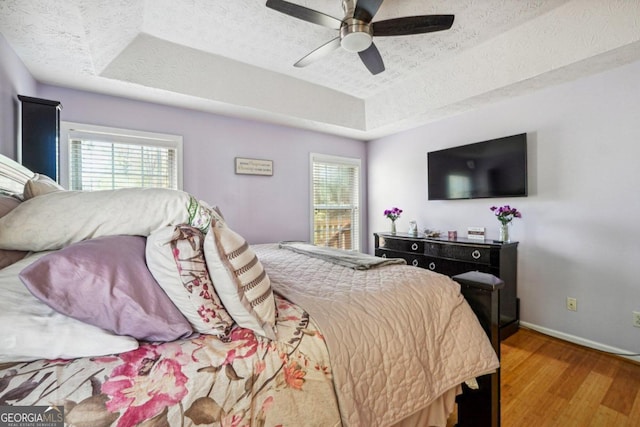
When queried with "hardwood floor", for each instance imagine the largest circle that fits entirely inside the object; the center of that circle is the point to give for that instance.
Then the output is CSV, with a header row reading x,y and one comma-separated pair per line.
x,y
550,382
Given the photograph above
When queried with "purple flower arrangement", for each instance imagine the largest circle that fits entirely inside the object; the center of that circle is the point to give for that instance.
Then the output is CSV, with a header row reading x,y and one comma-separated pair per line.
x,y
393,213
506,213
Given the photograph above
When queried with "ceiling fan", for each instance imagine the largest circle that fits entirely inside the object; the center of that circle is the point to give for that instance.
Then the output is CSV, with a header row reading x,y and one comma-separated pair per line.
x,y
357,30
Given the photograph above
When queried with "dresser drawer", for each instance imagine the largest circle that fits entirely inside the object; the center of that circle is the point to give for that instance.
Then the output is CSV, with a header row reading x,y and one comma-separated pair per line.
x,y
403,245
477,254
417,260
450,267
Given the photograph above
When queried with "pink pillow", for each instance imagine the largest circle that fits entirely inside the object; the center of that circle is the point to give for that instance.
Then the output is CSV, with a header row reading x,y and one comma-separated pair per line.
x,y
9,257
7,204
105,282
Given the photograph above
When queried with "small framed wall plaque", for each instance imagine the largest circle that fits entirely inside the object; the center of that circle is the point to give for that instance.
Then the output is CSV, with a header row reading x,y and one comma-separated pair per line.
x,y
475,233
246,166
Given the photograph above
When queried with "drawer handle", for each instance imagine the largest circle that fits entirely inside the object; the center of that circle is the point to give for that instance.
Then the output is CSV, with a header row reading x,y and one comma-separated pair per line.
x,y
414,262
414,247
432,266
384,255
475,254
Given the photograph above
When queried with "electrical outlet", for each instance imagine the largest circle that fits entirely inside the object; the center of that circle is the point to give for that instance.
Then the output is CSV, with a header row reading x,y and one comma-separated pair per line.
x,y
636,319
572,304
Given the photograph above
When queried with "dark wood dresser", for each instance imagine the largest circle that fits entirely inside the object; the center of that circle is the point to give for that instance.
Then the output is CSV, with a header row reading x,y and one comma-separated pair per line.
x,y
453,257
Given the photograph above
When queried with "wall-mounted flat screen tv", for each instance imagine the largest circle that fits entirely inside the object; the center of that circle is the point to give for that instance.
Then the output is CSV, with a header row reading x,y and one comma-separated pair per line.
x,y
494,168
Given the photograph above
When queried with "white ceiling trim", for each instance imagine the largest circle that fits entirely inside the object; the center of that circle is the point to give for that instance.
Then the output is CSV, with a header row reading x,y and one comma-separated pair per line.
x,y
152,62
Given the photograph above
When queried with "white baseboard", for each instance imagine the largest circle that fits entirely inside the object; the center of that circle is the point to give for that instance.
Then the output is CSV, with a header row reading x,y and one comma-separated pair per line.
x,y
580,341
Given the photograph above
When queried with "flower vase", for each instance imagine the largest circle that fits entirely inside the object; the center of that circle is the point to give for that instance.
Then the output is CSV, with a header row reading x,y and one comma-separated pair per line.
x,y
504,232
393,227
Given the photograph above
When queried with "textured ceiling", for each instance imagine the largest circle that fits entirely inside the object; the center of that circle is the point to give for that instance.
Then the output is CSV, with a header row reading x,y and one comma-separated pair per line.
x,y
236,57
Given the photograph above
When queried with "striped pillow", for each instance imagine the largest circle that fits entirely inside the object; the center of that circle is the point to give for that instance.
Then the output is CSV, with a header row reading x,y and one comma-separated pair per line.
x,y
239,279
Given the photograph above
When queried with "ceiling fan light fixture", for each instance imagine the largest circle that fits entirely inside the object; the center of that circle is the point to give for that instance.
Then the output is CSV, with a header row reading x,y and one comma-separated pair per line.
x,y
357,29
355,35
356,42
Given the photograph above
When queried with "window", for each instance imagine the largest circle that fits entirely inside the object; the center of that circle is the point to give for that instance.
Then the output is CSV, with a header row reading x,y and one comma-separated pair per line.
x,y
335,199
100,158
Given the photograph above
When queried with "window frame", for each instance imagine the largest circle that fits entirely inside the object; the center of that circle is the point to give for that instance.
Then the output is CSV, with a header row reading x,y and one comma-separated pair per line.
x,y
356,240
113,134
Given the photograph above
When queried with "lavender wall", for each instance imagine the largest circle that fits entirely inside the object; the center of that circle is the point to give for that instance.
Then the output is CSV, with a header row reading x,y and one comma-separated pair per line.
x,y
262,209
579,235
14,80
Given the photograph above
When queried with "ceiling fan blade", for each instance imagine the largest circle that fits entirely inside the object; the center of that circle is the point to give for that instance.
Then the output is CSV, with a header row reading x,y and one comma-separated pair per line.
x,y
366,9
320,52
304,13
412,25
372,59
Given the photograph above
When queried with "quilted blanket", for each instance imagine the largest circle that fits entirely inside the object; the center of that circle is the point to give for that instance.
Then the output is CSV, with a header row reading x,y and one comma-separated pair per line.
x,y
398,336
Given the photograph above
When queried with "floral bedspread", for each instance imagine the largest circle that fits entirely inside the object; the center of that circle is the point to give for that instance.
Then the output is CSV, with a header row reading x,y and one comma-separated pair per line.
x,y
247,381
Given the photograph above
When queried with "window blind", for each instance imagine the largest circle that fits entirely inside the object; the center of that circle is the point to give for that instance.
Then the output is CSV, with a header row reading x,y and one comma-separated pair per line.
x,y
335,202
101,158
103,165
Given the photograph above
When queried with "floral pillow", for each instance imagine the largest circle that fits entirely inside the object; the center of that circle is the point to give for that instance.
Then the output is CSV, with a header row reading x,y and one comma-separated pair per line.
x,y
175,258
239,278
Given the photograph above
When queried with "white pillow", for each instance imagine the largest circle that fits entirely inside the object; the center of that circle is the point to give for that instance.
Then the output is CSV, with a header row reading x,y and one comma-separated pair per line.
x,y
55,220
39,185
175,258
30,329
239,279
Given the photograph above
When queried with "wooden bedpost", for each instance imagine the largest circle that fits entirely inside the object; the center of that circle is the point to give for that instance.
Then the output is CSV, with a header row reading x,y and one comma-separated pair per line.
x,y
481,407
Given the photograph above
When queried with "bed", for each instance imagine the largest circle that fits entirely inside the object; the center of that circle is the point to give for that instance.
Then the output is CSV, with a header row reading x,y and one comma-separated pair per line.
x,y
178,321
